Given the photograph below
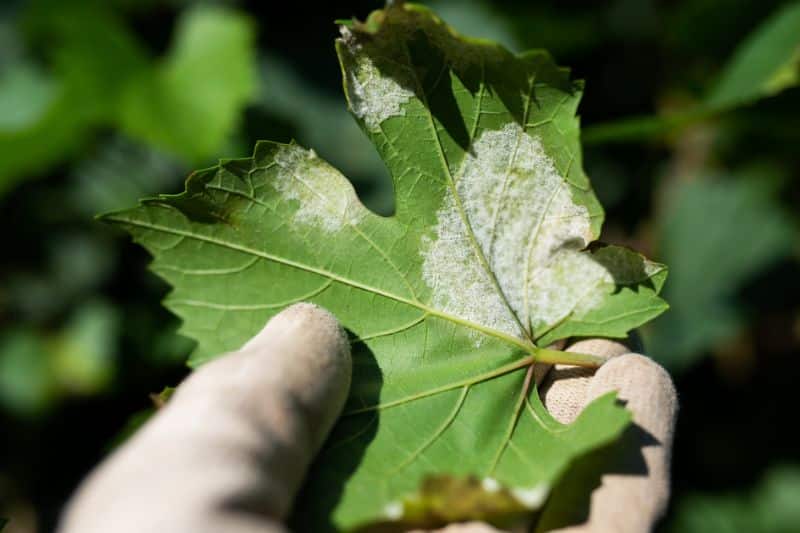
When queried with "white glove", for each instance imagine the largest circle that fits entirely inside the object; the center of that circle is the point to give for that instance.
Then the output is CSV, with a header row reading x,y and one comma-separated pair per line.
x,y
231,447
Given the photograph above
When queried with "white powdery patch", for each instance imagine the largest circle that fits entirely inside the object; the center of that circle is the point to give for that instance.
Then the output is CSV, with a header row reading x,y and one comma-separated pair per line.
x,y
529,229
532,498
571,282
373,96
326,198
489,484
394,510
460,285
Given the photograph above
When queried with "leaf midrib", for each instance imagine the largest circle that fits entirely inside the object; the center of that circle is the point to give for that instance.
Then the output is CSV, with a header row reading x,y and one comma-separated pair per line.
x,y
452,184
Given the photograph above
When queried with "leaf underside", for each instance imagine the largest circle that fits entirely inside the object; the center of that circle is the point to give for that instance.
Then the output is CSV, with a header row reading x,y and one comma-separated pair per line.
x,y
484,260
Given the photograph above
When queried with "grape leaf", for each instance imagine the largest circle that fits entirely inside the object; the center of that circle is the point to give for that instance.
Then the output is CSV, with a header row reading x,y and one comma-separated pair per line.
x,y
449,300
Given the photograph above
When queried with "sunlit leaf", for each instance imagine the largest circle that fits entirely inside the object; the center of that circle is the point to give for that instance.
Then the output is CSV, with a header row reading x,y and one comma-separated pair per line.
x,y
451,299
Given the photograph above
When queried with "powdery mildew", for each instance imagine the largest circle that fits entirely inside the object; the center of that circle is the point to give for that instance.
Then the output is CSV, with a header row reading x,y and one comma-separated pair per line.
x,y
530,231
326,199
373,96
460,285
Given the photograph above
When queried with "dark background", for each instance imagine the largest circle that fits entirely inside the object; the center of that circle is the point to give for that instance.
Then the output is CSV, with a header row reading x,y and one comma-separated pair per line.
x,y
84,340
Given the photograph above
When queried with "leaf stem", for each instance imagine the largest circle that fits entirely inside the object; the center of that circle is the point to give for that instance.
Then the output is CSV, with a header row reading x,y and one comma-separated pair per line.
x,y
538,355
558,357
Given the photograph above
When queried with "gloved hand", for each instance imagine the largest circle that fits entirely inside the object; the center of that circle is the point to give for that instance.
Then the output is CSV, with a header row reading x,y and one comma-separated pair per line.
x,y
230,449
634,486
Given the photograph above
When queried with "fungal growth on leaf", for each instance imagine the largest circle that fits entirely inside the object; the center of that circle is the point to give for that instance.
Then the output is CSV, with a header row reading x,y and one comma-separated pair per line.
x,y
484,264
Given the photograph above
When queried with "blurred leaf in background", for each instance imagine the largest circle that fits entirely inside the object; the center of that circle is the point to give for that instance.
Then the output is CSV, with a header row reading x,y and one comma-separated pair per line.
x,y
769,507
97,73
90,55
717,232
118,173
766,63
190,102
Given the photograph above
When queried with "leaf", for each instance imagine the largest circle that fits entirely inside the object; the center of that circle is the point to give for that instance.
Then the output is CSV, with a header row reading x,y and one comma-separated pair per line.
x,y
190,103
704,311
451,299
767,63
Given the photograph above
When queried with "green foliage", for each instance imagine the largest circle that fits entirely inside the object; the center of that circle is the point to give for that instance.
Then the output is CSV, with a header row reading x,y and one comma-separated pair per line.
x,y
190,102
769,507
745,234
100,75
450,300
766,63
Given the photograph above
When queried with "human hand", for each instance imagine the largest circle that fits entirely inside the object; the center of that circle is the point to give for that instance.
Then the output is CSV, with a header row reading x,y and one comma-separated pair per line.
x,y
230,450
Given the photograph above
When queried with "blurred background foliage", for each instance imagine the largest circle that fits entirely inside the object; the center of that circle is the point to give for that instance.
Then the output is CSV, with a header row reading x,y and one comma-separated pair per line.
x,y
691,128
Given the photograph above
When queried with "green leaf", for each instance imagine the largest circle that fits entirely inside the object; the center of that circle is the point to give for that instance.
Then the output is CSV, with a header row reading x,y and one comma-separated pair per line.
x,y
190,104
767,63
449,300
747,233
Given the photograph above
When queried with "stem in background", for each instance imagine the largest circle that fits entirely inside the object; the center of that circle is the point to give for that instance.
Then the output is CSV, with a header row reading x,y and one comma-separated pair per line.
x,y
648,127
557,357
